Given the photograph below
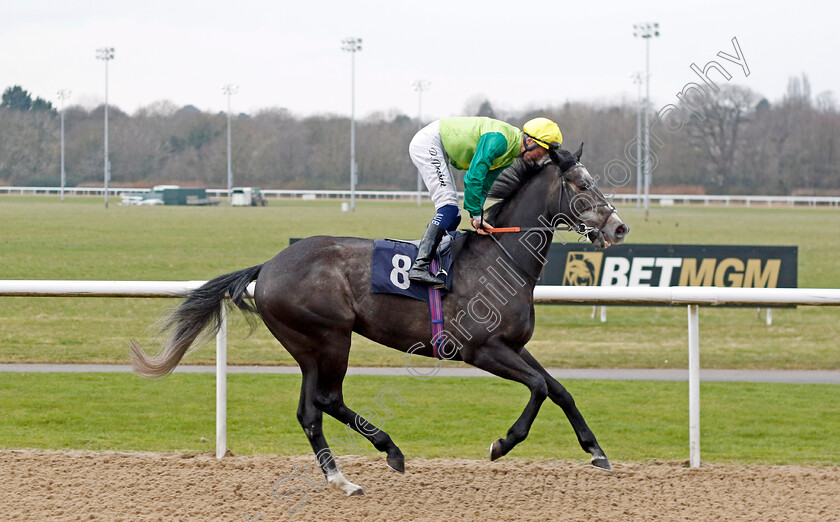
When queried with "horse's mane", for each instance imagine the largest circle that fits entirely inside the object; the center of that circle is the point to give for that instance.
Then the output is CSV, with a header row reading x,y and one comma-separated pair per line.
x,y
513,178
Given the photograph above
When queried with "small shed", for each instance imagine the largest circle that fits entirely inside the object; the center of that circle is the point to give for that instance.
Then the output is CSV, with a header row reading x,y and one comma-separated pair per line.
x,y
183,196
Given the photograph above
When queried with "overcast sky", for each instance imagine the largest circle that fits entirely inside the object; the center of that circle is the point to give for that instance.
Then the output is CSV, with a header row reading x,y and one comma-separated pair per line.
x,y
518,54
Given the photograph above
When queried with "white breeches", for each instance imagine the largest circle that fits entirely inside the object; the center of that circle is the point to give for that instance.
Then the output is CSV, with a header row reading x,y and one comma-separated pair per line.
x,y
430,158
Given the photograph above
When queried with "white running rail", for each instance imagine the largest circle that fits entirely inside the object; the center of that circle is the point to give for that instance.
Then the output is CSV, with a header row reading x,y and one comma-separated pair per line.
x,y
693,297
661,199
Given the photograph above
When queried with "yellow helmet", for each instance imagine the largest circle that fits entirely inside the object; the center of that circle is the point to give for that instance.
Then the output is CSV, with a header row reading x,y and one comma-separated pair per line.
x,y
544,131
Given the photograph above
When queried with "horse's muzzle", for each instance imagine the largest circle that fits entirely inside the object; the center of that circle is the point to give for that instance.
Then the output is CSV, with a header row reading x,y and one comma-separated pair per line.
x,y
603,239
621,231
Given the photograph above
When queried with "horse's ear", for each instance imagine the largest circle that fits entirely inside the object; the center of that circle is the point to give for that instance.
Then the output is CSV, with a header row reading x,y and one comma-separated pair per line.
x,y
579,152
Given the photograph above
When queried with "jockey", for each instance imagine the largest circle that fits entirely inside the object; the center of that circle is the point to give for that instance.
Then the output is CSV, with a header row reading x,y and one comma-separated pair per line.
x,y
481,146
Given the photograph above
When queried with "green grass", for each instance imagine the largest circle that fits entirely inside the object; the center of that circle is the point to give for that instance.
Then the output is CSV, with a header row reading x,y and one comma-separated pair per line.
x,y
41,238
443,417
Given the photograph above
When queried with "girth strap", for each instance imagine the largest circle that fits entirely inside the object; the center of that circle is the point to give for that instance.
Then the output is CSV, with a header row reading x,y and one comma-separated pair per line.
x,y
437,314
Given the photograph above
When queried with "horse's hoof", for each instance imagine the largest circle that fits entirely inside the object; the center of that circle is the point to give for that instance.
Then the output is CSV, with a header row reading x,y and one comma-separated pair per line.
x,y
601,462
357,493
396,463
337,481
496,450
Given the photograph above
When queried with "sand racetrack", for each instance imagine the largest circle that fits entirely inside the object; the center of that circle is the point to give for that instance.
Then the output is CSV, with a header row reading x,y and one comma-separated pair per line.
x,y
76,485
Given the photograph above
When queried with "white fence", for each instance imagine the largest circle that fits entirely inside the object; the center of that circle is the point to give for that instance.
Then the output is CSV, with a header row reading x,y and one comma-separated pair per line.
x,y
693,297
661,199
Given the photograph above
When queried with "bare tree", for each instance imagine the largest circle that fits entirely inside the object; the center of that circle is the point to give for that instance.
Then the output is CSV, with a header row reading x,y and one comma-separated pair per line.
x,y
715,128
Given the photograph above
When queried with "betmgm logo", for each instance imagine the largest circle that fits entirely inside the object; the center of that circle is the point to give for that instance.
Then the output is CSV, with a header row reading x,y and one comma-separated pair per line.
x,y
582,268
593,269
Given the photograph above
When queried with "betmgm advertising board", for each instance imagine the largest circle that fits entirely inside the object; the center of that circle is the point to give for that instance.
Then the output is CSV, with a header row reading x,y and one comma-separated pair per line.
x,y
730,266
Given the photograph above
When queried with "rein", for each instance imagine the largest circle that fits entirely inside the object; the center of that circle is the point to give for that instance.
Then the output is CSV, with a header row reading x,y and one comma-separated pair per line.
x,y
506,230
513,259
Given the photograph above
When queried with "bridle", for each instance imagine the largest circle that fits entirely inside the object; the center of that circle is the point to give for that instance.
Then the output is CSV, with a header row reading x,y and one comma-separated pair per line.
x,y
582,229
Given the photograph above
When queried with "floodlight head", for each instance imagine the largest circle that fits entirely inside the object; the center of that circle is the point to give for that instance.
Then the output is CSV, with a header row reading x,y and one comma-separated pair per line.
x,y
351,44
420,85
645,30
105,53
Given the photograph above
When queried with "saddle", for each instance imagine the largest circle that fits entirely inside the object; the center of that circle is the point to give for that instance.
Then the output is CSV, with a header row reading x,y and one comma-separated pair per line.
x,y
443,248
390,262
392,258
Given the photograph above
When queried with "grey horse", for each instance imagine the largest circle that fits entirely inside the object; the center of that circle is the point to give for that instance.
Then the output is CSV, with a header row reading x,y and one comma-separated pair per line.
x,y
314,294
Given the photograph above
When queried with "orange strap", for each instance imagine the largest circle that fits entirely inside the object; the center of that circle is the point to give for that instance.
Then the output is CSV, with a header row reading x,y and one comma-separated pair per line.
x,y
501,230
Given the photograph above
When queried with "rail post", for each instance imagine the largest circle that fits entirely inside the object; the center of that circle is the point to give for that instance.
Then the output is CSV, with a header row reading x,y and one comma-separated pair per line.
x,y
693,386
221,384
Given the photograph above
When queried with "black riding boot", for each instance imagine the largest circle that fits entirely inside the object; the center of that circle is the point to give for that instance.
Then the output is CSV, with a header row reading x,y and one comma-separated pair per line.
x,y
419,272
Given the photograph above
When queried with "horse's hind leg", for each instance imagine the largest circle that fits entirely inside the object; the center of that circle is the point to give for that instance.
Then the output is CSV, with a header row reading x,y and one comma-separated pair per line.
x,y
323,362
311,419
557,393
330,399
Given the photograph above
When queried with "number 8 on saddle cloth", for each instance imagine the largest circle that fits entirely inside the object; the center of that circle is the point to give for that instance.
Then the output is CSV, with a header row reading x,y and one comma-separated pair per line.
x,y
391,260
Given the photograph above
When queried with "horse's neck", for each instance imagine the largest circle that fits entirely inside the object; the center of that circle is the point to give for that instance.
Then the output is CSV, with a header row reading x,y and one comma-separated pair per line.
x,y
525,209
526,206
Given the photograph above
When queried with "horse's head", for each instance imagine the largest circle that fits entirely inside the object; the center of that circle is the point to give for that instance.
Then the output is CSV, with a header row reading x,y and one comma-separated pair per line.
x,y
575,200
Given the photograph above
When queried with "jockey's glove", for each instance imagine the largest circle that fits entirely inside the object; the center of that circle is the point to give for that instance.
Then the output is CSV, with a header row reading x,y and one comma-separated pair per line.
x,y
480,225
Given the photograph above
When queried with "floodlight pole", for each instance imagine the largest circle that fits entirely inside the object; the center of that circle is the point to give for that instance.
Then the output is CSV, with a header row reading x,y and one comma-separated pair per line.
x,y
647,31
352,46
420,86
106,54
229,90
62,95
637,79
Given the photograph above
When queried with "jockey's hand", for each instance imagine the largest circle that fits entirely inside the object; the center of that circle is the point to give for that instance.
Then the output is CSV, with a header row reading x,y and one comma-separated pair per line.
x,y
480,225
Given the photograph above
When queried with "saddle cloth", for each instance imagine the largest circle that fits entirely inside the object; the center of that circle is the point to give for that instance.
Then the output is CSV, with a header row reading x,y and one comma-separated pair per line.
x,y
392,259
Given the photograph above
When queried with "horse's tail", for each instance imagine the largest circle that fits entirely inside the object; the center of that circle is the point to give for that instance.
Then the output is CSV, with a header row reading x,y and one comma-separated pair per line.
x,y
190,319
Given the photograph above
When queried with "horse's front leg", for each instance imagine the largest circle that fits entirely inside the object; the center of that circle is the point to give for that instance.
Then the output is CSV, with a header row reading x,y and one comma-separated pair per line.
x,y
503,361
557,393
